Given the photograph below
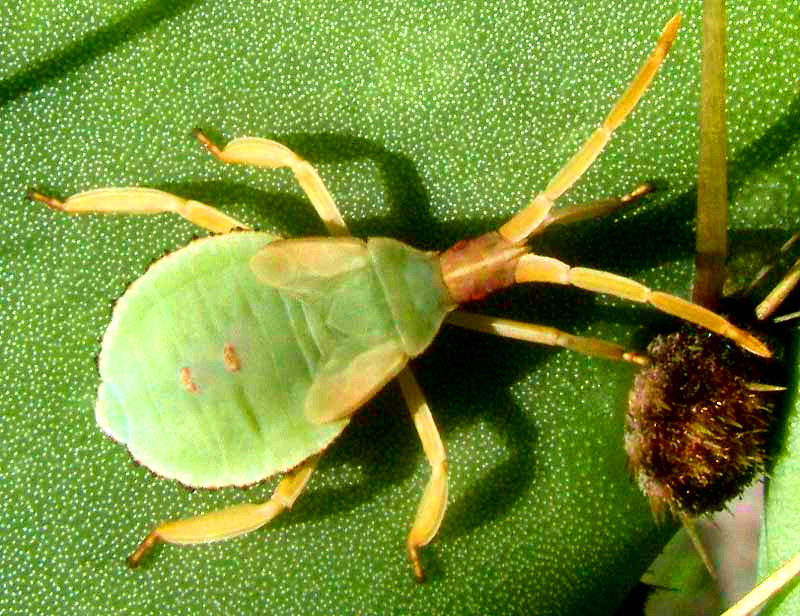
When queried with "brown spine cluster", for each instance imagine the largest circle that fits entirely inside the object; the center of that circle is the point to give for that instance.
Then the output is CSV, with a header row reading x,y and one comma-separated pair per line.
x,y
695,431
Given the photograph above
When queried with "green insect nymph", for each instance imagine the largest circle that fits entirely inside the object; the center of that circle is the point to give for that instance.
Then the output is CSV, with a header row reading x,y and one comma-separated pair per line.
x,y
244,355
316,332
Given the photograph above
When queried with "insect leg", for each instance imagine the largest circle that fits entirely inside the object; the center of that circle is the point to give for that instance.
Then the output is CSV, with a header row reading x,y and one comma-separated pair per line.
x,y
141,201
271,154
542,334
779,293
771,264
232,521
434,500
596,209
524,223
535,268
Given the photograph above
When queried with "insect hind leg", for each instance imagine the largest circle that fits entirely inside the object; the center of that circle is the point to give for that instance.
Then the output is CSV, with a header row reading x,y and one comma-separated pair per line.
x,y
232,521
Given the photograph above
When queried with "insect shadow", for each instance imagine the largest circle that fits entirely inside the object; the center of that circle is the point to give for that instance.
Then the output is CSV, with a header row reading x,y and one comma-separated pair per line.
x,y
763,153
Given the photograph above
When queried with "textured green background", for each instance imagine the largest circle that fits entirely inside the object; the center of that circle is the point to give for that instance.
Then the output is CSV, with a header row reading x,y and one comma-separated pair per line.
x,y
429,121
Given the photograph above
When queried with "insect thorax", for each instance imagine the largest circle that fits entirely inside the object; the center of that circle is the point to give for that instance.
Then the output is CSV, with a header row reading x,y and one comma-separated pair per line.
x,y
414,289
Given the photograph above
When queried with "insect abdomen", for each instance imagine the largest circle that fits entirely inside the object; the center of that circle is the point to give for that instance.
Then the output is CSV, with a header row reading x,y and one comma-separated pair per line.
x,y
205,370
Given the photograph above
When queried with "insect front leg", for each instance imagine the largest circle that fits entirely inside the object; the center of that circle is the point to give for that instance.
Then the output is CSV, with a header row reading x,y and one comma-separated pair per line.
x,y
141,201
271,154
536,268
434,500
232,521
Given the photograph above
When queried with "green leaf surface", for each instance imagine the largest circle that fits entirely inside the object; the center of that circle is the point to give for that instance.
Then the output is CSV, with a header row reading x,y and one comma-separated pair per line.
x,y
429,122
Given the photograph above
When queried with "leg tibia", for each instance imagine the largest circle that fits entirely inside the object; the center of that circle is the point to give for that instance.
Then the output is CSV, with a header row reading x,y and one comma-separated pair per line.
x,y
229,522
218,525
142,201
